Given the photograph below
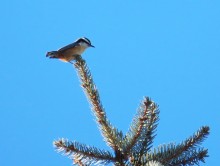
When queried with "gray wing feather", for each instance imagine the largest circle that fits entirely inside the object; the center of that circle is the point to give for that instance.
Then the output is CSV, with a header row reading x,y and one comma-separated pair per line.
x,y
68,46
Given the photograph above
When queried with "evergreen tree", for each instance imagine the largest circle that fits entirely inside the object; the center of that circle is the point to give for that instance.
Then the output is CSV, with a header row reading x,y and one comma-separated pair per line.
x,y
135,147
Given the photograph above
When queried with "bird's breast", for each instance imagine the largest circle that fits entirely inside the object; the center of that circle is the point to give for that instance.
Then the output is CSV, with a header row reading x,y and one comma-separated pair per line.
x,y
78,50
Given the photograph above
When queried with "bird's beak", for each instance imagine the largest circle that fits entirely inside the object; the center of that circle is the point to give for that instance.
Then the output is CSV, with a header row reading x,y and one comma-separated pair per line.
x,y
92,46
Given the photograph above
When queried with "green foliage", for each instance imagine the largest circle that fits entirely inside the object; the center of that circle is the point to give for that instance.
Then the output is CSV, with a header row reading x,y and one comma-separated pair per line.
x,y
85,154
185,153
135,147
139,137
112,136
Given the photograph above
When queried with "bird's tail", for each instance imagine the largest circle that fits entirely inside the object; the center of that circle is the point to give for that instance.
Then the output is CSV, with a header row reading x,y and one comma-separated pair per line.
x,y
52,54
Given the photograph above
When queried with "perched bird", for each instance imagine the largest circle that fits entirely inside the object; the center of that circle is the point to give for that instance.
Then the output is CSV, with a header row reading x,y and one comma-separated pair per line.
x,y
69,52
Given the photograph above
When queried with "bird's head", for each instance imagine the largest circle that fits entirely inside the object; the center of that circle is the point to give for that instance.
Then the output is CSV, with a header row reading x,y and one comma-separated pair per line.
x,y
83,41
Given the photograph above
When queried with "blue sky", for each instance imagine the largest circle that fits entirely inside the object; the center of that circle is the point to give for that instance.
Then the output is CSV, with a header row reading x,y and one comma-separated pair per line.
x,y
167,50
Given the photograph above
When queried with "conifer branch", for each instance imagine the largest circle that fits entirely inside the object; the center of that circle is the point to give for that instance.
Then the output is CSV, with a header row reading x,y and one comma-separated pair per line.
x,y
187,158
188,145
197,138
112,136
140,137
191,158
171,153
82,154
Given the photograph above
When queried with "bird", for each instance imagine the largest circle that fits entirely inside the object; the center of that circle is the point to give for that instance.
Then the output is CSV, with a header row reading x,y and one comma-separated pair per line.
x,y
70,52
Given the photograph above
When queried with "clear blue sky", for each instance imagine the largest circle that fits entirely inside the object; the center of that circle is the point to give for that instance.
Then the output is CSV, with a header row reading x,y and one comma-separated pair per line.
x,y
166,49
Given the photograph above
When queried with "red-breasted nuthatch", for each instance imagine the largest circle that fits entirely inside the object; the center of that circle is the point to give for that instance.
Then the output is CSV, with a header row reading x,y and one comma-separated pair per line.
x,y
69,52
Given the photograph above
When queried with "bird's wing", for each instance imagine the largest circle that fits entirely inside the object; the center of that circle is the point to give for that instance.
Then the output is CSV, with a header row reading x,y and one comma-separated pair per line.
x,y
68,46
